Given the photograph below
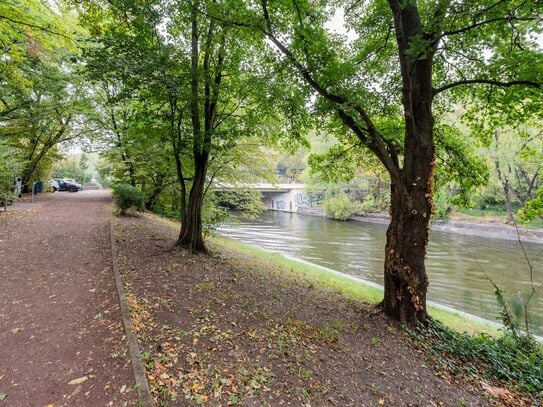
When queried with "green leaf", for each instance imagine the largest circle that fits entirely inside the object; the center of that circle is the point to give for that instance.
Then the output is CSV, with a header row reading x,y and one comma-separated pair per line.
x,y
233,399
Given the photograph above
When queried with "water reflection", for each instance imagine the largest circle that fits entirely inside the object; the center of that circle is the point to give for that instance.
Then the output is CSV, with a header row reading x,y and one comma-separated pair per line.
x,y
455,262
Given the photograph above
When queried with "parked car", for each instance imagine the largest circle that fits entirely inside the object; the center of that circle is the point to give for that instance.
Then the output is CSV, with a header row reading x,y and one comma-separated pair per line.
x,y
54,185
65,185
73,181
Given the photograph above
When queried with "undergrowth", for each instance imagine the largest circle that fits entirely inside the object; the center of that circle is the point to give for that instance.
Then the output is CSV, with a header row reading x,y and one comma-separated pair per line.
x,y
127,196
512,361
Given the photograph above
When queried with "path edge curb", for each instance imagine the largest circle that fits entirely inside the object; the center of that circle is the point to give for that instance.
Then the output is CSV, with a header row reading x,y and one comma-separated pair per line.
x,y
135,356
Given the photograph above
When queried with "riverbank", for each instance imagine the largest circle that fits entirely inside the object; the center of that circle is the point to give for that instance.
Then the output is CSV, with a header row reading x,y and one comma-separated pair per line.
x,y
358,288
491,230
252,328
458,265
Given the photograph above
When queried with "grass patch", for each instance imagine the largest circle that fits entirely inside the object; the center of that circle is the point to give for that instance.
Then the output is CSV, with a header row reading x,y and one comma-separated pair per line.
x,y
458,345
346,286
314,275
483,213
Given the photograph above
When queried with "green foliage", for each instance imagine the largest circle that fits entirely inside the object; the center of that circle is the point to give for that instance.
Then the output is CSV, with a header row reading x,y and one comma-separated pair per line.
x,y
533,208
442,203
33,31
341,162
9,168
75,167
127,196
213,214
247,201
513,361
489,200
340,206
458,165
217,206
375,203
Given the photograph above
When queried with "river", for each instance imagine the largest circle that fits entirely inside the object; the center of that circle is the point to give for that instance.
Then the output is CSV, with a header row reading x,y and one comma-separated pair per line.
x,y
454,261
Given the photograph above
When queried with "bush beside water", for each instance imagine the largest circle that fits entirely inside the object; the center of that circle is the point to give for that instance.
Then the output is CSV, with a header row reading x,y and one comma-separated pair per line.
x,y
341,207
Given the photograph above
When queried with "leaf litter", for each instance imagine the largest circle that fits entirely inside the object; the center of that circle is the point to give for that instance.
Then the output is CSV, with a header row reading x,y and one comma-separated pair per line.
x,y
231,330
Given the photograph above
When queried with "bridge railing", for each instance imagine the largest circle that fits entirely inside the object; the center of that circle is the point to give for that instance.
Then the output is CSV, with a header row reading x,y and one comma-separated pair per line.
x,y
278,178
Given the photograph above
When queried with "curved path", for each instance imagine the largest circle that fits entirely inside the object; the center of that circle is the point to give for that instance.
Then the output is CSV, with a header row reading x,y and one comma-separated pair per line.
x,y
61,335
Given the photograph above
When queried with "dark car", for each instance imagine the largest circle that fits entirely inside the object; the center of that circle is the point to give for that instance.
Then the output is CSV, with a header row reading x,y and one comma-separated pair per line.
x,y
54,185
65,185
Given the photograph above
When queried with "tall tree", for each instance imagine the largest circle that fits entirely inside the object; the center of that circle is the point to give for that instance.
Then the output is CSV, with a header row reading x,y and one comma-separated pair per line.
x,y
198,78
387,93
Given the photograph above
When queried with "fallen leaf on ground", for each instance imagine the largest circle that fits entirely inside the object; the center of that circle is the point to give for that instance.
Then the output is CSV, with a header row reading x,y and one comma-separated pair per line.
x,y
3,396
78,381
496,391
15,330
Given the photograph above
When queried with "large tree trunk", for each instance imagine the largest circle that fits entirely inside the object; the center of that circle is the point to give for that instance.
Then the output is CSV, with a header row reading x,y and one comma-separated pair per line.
x,y
406,282
405,278
191,236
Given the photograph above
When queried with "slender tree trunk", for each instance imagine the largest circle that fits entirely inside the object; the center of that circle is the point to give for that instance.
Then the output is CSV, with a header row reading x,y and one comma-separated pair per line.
x,y
132,174
183,189
192,236
504,180
508,201
157,189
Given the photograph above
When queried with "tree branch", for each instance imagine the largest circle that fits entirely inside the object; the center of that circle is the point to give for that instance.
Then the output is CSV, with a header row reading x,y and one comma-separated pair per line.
x,y
484,22
46,29
487,82
376,142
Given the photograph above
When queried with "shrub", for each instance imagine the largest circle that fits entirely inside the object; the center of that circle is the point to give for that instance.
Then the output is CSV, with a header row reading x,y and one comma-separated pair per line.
x,y
127,196
9,167
442,204
214,215
533,208
341,207
490,201
247,201
512,361
370,204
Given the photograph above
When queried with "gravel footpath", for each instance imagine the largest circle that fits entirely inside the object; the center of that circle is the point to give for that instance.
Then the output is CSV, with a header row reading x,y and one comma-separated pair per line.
x,y
61,335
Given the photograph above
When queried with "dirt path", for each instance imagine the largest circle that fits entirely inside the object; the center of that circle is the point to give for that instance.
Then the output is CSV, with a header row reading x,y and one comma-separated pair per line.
x,y
61,335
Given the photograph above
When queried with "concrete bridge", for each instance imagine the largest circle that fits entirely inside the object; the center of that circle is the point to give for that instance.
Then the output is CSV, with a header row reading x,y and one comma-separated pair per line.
x,y
287,197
